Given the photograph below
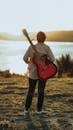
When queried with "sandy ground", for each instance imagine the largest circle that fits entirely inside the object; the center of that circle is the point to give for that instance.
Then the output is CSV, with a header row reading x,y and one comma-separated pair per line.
x,y
58,105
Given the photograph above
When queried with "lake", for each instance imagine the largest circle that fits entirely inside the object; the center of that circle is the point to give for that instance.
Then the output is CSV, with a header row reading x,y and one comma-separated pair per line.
x,y
12,52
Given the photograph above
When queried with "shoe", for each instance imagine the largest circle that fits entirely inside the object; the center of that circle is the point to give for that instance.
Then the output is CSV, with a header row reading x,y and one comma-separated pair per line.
x,y
26,111
40,112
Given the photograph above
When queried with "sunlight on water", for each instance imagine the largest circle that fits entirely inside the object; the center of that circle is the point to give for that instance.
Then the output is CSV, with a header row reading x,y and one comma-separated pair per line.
x,y
17,65
12,52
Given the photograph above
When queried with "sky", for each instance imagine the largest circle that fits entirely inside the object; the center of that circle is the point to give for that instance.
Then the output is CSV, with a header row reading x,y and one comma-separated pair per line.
x,y
35,15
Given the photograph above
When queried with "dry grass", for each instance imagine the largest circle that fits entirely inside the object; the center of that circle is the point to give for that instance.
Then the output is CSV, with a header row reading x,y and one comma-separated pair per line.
x,y
58,105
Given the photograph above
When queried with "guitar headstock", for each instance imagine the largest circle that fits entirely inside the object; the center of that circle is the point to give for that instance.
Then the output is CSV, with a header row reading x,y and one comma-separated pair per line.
x,y
25,32
27,36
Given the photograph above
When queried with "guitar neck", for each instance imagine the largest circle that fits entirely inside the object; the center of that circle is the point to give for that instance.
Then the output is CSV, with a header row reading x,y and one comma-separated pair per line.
x,y
31,43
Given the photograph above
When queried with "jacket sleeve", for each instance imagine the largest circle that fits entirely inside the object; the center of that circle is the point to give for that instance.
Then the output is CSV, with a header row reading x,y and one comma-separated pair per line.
x,y
27,55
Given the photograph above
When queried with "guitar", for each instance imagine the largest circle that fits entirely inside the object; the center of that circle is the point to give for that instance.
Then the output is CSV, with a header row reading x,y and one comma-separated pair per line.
x,y
45,68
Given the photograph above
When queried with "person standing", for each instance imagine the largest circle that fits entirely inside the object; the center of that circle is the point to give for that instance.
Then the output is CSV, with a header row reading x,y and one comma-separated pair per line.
x,y
33,74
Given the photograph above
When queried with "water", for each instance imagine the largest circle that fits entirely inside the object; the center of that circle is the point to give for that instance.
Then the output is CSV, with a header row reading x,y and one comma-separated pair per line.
x,y
12,52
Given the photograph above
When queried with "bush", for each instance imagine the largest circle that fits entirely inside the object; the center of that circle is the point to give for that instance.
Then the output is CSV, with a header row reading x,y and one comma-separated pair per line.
x,y
5,73
65,65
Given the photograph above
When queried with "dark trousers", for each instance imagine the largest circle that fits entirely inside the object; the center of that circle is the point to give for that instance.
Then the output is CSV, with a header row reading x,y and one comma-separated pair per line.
x,y
31,90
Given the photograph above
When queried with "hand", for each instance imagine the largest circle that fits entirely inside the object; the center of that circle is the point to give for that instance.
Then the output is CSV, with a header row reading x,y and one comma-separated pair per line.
x,y
28,60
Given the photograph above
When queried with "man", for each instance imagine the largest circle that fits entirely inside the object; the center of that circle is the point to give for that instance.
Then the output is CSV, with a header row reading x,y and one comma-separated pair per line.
x,y
33,74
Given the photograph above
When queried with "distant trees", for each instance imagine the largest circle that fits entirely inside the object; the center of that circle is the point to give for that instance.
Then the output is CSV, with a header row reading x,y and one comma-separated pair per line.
x,y
65,66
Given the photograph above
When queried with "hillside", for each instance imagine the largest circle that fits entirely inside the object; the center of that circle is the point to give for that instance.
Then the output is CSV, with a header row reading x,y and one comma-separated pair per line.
x,y
6,36
65,36
61,36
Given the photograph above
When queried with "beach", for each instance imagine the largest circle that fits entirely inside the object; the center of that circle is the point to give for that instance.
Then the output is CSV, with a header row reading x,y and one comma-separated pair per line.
x,y
58,105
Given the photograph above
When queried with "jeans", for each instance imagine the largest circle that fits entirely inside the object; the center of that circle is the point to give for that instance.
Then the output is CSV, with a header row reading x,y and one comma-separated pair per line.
x,y
31,90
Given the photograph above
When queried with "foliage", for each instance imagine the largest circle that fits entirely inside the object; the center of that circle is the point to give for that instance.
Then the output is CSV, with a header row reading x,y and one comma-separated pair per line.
x,y
5,73
65,65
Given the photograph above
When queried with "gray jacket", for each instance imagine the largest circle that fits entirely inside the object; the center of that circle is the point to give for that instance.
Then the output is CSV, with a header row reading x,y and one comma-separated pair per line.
x,y
41,48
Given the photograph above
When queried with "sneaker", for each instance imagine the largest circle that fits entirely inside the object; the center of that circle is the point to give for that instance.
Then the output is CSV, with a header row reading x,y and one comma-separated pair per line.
x,y
40,112
26,111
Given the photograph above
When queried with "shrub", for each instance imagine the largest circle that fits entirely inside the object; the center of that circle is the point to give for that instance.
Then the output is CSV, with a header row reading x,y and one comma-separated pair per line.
x,y
65,65
5,73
